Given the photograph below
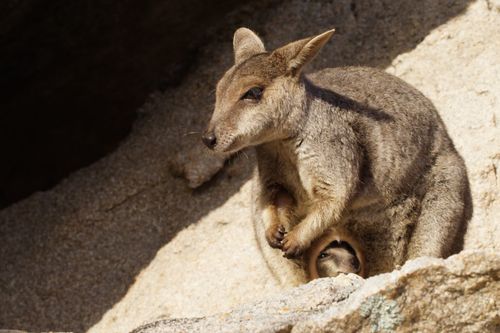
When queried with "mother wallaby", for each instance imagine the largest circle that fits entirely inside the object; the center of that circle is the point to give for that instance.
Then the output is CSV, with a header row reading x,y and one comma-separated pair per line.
x,y
348,144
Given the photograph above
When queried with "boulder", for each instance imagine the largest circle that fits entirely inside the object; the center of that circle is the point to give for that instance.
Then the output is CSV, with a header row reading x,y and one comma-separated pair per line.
x,y
460,294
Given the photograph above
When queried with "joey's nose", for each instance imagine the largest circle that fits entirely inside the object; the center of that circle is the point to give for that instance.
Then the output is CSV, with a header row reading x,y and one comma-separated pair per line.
x,y
209,140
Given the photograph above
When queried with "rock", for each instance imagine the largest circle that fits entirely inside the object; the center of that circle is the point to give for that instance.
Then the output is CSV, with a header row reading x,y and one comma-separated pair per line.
x,y
197,165
279,313
460,294
122,242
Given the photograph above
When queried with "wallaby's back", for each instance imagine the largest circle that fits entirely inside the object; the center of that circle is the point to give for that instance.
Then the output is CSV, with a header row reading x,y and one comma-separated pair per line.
x,y
399,128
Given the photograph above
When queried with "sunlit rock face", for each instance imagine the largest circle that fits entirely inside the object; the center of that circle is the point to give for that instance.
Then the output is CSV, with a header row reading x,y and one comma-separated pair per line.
x,y
124,242
459,294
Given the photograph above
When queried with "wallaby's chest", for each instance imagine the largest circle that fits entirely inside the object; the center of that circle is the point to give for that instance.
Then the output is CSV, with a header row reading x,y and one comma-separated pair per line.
x,y
289,165
284,165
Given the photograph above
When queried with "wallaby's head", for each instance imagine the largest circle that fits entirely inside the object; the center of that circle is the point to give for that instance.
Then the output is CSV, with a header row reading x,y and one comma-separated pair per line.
x,y
258,98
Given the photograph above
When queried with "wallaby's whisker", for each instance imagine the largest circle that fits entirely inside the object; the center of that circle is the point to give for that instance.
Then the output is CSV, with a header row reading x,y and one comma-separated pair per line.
x,y
191,133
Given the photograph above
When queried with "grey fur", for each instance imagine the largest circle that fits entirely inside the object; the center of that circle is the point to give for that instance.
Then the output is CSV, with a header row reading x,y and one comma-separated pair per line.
x,y
355,147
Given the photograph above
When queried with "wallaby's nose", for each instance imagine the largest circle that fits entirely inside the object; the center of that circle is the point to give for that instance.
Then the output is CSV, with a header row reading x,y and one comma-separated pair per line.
x,y
209,139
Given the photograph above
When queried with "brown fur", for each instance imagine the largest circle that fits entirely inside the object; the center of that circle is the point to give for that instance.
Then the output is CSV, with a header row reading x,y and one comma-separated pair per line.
x,y
355,147
332,265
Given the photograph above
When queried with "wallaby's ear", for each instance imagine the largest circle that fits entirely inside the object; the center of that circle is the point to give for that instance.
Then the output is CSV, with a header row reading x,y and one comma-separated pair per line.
x,y
246,44
299,53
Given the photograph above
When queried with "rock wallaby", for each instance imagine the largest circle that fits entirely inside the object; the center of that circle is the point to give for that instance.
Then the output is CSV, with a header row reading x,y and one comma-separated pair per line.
x,y
354,147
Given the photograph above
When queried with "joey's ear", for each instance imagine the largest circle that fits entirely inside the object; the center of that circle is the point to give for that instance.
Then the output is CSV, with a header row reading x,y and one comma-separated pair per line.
x,y
246,44
299,53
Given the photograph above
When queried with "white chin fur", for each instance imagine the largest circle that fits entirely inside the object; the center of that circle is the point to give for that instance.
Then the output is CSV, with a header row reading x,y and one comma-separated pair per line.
x,y
231,147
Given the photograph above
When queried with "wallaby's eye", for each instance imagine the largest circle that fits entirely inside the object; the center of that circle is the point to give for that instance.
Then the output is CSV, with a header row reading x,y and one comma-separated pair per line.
x,y
253,94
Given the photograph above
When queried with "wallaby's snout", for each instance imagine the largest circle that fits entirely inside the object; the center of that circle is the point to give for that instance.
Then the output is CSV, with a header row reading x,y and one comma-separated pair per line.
x,y
209,139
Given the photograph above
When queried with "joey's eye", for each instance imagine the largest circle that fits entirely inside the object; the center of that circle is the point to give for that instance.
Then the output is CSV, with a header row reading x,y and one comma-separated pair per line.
x,y
253,94
323,255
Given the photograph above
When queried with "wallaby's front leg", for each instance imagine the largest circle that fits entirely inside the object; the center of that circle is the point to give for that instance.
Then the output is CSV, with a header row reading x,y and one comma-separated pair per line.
x,y
277,215
275,230
323,214
331,185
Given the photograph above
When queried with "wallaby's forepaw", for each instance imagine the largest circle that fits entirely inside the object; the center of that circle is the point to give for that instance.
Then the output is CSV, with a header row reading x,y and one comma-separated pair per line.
x,y
291,246
275,235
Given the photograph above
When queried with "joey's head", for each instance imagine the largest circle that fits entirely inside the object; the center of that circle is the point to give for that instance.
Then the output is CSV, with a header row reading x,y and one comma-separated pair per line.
x,y
259,98
334,253
338,257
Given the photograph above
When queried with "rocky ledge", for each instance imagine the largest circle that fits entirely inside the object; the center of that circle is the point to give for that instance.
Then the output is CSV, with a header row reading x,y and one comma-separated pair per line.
x,y
459,294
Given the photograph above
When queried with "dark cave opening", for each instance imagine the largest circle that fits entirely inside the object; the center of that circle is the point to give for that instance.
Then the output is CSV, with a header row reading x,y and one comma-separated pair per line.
x,y
72,75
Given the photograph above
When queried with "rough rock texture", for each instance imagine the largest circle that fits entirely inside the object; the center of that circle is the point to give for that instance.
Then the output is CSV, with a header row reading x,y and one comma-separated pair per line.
x,y
276,314
460,294
123,242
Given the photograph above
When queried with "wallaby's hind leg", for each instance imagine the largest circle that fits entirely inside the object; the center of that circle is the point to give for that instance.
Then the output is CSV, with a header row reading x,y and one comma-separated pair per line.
x,y
445,210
